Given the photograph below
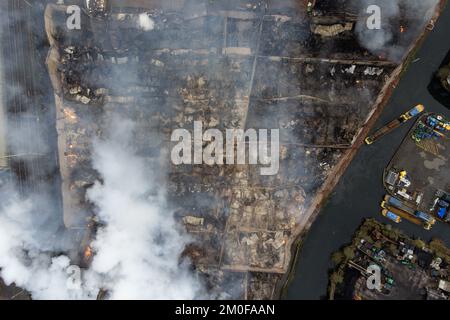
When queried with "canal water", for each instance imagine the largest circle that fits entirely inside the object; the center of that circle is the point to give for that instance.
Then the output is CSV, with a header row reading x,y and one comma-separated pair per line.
x,y
359,193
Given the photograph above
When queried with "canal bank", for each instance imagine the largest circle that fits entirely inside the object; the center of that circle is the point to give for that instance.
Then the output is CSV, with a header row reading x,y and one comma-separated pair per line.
x,y
359,192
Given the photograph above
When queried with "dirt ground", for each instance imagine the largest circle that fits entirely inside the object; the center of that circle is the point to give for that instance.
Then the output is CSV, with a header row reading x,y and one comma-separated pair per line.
x,y
410,284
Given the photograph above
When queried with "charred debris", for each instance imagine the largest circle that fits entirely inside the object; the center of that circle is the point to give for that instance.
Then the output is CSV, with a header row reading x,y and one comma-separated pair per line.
x,y
280,64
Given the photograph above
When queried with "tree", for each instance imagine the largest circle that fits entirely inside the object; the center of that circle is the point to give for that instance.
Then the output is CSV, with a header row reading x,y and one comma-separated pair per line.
x,y
395,234
336,278
337,257
349,253
362,234
378,245
444,72
392,248
419,243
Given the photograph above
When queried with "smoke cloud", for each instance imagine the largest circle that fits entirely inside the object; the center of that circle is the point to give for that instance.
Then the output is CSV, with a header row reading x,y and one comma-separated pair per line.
x,y
138,243
383,41
28,242
145,22
139,246
31,231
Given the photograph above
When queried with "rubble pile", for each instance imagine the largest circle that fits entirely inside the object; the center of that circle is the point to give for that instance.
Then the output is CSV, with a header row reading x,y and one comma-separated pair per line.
x,y
229,64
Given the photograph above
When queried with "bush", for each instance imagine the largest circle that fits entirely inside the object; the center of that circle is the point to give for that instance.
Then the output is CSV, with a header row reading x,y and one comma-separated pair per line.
x,y
419,243
337,258
336,278
443,73
349,253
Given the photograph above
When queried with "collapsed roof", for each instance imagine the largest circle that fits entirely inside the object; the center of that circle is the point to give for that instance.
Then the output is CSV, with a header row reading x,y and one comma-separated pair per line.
x,y
233,64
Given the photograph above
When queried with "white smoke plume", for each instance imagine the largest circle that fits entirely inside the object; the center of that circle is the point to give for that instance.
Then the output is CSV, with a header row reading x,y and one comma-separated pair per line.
x,y
30,235
138,248
380,42
27,245
145,22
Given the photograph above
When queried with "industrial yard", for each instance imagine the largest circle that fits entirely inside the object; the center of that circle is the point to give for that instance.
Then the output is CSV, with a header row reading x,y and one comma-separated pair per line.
x,y
419,173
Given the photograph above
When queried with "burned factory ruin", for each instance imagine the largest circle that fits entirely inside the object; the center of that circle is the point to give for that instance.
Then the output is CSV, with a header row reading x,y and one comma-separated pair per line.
x,y
307,68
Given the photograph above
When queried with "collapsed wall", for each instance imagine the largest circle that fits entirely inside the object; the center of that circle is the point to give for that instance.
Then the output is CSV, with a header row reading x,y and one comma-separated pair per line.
x,y
233,64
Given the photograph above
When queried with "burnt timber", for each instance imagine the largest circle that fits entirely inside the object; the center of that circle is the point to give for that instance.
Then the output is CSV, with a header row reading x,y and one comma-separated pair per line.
x,y
236,64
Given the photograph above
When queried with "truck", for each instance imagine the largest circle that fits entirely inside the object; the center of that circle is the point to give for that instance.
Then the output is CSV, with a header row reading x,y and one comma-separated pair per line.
x,y
395,124
442,208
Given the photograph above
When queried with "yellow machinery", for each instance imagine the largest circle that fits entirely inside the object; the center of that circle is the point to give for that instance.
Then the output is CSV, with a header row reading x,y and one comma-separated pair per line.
x,y
395,124
405,215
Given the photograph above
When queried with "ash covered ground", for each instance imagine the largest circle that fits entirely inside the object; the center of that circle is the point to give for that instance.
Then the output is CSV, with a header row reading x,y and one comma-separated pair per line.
x,y
131,76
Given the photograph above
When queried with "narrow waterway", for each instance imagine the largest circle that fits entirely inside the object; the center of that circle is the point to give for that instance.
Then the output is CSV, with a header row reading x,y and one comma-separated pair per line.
x,y
359,193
